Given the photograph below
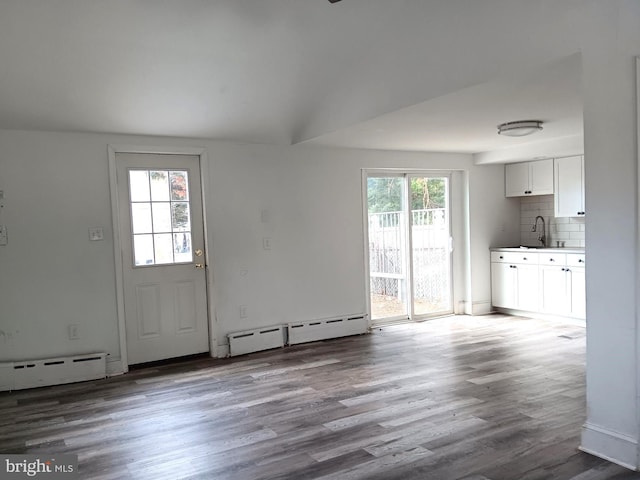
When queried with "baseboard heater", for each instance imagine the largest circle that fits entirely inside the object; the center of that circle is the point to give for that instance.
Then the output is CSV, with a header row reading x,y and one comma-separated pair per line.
x,y
303,332
52,371
256,340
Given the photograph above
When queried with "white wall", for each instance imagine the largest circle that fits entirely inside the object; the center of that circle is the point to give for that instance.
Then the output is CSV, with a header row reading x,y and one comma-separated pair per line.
x,y
494,220
56,187
611,227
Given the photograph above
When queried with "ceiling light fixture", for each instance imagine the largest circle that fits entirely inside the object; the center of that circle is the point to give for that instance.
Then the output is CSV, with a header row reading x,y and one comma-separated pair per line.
x,y
519,128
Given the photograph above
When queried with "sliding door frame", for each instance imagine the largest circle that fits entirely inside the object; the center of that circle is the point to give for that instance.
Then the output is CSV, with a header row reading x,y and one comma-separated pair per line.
x,y
408,243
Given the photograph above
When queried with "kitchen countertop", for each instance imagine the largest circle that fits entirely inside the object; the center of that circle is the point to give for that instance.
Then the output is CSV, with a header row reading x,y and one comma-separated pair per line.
x,y
539,249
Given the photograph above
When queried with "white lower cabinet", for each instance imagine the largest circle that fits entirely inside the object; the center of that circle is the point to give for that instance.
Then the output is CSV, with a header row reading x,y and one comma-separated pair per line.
x,y
528,278
503,285
555,296
555,291
514,280
545,282
576,268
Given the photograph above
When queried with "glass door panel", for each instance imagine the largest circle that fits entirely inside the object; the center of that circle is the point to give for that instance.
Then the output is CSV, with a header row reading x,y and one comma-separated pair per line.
x,y
430,246
386,199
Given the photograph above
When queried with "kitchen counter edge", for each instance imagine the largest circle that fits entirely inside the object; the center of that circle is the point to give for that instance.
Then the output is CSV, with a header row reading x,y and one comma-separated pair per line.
x,y
539,250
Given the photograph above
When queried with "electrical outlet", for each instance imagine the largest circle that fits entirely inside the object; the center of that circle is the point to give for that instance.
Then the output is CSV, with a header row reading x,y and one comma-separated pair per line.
x,y
72,330
4,237
243,311
96,234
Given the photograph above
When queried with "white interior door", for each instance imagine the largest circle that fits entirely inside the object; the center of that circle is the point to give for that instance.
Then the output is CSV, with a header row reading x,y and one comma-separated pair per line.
x,y
163,260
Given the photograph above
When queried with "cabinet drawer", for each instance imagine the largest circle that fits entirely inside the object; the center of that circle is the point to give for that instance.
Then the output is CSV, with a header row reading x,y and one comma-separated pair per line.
x,y
553,258
515,257
576,260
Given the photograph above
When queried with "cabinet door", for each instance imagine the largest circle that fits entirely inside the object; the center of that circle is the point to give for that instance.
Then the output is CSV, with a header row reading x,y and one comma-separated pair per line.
x,y
503,285
578,296
541,177
527,285
569,197
516,176
554,291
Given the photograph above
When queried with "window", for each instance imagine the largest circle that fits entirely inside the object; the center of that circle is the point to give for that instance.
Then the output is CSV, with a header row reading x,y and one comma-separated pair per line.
x,y
160,216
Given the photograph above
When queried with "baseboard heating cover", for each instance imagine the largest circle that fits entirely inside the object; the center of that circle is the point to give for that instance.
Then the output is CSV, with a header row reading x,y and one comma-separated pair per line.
x,y
256,340
52,371
302,332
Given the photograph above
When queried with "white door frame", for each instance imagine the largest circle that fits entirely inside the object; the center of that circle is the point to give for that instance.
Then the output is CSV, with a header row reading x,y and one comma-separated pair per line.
x,y
121,365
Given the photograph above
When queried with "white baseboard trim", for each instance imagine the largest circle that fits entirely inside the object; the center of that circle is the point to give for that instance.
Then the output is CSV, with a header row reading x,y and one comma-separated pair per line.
x,y
609,445
115,367
222,351
462,308
481,308
578,322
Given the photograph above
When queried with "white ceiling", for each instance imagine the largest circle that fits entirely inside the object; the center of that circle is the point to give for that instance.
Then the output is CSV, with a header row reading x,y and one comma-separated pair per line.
x,y
466,120
428,75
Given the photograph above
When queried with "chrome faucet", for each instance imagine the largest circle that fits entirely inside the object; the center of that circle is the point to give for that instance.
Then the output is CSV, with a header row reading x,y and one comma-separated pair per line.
x,y
541,235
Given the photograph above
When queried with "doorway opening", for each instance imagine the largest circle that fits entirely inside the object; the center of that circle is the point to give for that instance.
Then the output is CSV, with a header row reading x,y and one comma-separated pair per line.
x,y
409,246
162,276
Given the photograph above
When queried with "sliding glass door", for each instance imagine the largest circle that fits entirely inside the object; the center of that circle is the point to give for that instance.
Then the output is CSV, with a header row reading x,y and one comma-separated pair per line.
x,y
409,237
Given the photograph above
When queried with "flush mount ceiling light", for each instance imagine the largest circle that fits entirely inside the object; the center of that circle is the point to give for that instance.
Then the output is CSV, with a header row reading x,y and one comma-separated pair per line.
x,y
519,128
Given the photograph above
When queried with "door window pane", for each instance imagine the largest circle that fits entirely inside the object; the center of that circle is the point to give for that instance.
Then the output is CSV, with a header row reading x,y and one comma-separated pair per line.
x,y
143,249
180,217
141,218
182,246
139,185
163,246
160,217
179,187
159,186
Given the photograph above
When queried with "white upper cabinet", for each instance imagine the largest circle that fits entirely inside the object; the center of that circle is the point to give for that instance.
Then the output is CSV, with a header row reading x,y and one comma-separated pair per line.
x,y
569,186
529,178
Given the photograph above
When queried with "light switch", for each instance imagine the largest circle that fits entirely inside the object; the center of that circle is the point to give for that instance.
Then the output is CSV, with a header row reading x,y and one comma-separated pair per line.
x,y
4,237
96,234
266,243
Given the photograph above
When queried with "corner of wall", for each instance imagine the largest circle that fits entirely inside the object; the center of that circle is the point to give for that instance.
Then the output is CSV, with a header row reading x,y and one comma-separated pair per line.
x,y
612,446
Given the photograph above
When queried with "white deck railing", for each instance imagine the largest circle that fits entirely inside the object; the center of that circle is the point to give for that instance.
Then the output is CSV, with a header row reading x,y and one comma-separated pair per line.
x,y
430,254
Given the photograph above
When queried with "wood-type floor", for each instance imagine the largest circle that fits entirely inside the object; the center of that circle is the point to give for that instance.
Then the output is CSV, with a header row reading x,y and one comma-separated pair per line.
x,y
475,398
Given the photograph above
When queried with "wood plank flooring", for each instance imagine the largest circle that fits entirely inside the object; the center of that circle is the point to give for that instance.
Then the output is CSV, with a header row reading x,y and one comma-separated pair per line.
x,y
474,398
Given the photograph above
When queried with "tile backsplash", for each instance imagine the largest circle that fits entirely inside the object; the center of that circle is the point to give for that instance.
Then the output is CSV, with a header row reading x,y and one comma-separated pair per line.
x,y
568,230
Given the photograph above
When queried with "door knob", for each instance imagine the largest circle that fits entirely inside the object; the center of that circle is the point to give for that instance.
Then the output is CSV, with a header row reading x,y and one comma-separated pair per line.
x,y
199,265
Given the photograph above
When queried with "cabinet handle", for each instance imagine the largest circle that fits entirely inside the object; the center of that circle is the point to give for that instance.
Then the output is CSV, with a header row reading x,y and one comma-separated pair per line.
x,y
551,260
567,270
501,257
524,258
563,269
580,260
